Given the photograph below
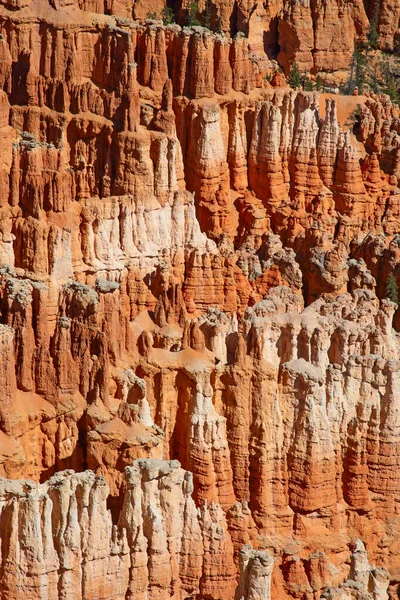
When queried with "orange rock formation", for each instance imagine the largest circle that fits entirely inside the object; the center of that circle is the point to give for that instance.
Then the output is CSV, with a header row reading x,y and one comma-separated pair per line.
x,y
199,372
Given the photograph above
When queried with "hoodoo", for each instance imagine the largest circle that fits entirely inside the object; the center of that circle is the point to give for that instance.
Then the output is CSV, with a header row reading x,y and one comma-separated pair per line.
x,y
199,305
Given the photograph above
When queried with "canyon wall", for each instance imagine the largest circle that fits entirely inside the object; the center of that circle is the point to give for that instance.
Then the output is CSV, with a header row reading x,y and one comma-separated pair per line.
x,y
63,539
199,373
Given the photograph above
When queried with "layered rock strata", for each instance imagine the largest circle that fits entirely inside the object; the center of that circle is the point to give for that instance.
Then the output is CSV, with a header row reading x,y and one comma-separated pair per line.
x,y
66,545
194,267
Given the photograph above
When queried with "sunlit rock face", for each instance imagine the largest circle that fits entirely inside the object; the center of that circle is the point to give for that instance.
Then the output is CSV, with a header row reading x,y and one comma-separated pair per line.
x,y
199,360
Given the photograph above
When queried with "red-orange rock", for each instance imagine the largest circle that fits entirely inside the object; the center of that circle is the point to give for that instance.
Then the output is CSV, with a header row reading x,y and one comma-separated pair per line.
x,y
194,266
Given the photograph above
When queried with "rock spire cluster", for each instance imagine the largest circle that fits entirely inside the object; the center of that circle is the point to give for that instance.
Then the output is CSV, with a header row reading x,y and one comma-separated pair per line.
x,y
199,363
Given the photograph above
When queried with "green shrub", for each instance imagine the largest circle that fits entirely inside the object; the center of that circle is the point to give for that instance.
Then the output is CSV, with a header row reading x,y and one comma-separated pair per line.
x,y
167,15
294,76
207,15
192,14
392,291
353,116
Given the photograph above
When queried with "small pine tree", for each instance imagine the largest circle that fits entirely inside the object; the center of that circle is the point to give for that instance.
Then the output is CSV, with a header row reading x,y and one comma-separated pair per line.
x,y
389,84
392,89
373,33
152,16
374,82
318,83
358,70
167,15
361,74
392,291
294,76
308,85
207,15
192,12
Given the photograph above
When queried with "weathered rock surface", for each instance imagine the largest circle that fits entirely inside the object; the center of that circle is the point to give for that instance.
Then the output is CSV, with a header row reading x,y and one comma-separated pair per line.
x,y
365,581
61,535
199,367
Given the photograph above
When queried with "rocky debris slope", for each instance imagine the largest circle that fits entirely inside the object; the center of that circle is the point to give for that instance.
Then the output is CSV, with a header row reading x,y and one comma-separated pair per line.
x,y
193,268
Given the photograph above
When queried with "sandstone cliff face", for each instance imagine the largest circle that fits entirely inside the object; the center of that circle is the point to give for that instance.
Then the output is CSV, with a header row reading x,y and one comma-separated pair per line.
x,y
62,537
199,388
66,545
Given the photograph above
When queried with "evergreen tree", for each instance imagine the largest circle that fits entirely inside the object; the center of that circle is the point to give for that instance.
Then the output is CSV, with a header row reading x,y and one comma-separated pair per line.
x,y
392,291
218,26
389,85
207,15
373,33
374,82
167,15
308,85
358,70
294,76
392,89
192,12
